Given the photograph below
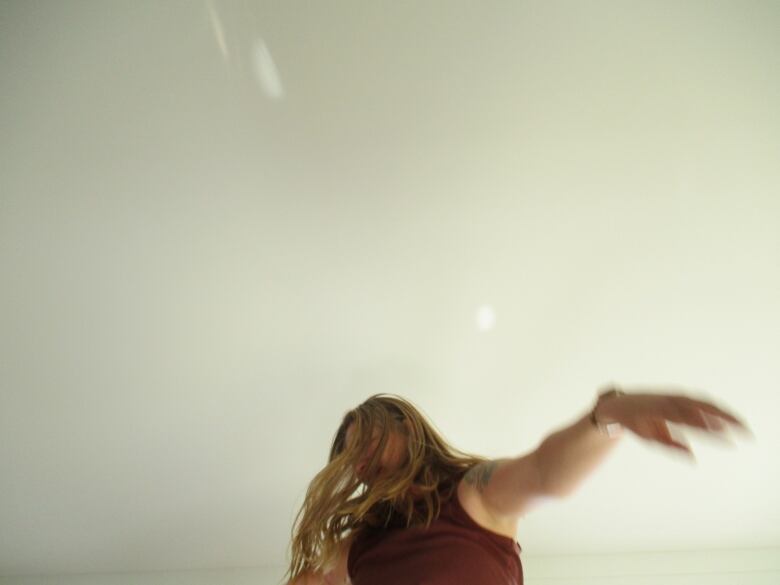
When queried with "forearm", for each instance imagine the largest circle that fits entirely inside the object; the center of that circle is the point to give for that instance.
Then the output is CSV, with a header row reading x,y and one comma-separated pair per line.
x,y
565,458
509,487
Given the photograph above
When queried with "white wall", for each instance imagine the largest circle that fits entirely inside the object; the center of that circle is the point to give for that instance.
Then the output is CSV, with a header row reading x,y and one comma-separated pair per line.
x,y
712,567
189,268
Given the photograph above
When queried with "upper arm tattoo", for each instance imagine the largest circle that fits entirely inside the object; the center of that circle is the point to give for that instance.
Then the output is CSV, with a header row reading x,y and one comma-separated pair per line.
x,y
479,475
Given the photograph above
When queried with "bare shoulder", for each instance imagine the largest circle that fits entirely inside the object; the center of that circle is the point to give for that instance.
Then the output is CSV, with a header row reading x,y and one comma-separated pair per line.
x,y
471,495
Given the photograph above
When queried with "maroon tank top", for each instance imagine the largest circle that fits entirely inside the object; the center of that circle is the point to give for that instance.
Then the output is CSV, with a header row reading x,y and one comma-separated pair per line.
x,y
453,550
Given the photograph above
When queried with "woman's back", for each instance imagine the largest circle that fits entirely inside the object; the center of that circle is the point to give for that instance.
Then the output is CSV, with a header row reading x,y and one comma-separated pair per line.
x,y
453,549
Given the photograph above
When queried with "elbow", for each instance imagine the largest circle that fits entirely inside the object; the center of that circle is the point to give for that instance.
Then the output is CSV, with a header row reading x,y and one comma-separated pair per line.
x,y
556,489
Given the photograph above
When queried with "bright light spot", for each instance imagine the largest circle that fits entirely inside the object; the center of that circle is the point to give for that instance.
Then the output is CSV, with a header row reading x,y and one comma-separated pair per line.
x,y
266,71
486,318
219,31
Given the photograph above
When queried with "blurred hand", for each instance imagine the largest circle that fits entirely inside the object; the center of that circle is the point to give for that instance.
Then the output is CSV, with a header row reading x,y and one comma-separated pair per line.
x,y
648,415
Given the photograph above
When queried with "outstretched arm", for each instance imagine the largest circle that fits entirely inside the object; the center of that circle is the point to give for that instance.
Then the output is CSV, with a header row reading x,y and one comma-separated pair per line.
x,y
508,487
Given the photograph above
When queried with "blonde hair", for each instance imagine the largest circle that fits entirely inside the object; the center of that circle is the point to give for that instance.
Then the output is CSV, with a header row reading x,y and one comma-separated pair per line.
x,y
339,505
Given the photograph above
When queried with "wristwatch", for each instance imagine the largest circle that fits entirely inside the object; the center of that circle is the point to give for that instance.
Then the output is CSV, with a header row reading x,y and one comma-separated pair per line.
x,y
611,429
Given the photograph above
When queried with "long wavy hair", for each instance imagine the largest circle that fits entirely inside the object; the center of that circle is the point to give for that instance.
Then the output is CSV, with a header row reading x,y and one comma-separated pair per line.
x,y
339,505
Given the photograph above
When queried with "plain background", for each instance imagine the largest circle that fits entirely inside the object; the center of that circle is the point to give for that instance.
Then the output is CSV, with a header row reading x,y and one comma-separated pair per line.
x,y
223,224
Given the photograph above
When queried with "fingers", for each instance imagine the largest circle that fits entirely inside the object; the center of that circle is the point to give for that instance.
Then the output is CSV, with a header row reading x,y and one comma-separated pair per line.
x,y
682,410
712,410
657,430
664,436
699,414
655,418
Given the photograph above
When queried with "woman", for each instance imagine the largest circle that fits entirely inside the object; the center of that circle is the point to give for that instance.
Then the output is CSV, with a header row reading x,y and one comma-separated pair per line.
x,y
396,504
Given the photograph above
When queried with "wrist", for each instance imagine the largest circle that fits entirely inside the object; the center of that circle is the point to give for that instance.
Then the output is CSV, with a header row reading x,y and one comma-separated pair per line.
x,y
601,417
